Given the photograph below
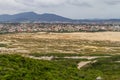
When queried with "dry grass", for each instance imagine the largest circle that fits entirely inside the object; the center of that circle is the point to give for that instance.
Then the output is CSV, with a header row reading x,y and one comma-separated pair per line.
x,y
85,43
111,36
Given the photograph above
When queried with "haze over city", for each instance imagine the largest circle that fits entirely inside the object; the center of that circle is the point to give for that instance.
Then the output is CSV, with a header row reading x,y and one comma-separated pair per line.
x,y
74,9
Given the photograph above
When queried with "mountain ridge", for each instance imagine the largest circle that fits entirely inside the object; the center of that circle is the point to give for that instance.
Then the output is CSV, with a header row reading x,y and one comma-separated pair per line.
x,y
32,16
47,17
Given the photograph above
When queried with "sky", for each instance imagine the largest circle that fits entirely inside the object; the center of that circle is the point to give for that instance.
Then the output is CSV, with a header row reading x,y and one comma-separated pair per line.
x,y
74,9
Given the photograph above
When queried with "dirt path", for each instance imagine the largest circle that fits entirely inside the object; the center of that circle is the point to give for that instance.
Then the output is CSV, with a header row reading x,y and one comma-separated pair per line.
x,y
67,57
82,57
40,58
83,63
51,57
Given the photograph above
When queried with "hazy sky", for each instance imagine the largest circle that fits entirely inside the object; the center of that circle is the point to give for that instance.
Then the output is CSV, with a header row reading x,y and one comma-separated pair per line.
x,y
76,9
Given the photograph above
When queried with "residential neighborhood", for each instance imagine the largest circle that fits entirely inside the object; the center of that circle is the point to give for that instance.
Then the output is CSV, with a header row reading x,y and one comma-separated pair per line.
x,y
56,27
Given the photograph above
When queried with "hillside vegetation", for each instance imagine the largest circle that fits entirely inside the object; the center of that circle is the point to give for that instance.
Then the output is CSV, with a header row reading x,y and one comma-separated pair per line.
x,y
15,67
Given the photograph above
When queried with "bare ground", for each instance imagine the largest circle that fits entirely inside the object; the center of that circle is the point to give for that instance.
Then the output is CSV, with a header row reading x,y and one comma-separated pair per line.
x,y
61,42
83,63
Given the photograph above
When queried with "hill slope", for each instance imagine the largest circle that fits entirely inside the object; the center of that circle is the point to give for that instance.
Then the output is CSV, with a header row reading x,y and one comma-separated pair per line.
x,y
33,17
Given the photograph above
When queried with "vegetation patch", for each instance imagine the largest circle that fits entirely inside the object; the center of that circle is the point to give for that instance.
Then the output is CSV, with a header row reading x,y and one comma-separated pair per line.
x,y
3,45
15,67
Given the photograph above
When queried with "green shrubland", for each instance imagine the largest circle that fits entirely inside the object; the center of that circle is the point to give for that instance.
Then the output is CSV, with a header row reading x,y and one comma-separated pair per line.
x,y
15,67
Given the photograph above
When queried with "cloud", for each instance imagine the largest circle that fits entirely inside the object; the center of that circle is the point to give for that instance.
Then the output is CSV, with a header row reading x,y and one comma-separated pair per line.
x,y
80,3
53,3
10,5
41,3
68,8
112,2
49,3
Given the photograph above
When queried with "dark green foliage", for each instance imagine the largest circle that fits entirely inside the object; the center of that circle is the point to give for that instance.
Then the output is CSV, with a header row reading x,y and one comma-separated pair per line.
x,y
15,67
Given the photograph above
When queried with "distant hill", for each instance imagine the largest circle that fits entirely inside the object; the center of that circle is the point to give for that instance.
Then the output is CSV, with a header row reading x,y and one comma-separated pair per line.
x,y
34,17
